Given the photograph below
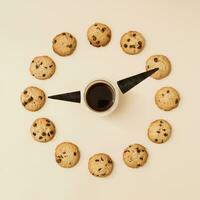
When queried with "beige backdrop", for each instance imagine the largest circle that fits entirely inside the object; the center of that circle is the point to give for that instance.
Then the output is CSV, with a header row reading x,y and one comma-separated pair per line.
x,y
28,170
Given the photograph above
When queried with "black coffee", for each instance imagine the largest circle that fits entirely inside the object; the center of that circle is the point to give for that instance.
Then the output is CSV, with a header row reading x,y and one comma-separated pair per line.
x,y
100,97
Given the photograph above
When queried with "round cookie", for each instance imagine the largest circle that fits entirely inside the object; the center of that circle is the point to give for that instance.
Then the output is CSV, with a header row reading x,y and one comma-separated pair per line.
x,y
100,165
43,130
99,35
132,42
159,131
135,156
64,44
167,98
33,98
161,62
67,154
42,67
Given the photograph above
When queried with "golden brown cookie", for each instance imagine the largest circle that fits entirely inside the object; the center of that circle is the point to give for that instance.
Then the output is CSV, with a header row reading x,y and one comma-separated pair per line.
x,y
99,35
64,44
100,165
159,131
43,130
132,42
135,156
161,62
33,98
42,67
67,154
167,98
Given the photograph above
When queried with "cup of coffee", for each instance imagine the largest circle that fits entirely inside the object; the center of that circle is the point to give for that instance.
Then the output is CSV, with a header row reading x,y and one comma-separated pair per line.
x,y
101,96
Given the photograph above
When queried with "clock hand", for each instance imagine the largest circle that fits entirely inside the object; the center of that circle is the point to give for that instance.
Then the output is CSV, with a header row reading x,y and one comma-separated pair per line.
x,y
128,83
71,96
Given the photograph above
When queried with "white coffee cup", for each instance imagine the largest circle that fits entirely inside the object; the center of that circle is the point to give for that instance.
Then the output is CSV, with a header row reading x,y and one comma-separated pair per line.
x,y
115,96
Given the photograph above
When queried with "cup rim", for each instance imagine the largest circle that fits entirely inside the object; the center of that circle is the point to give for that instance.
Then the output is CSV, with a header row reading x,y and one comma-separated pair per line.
x,y
115,91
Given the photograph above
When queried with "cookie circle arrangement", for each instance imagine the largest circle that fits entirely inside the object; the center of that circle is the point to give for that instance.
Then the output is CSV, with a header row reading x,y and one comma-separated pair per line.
x,y
67,154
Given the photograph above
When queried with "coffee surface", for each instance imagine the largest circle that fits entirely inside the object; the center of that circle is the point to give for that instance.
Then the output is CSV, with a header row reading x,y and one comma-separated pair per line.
x,y
100,97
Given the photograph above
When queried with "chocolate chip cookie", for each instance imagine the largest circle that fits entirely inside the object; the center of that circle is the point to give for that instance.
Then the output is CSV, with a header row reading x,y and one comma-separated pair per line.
x,y
167,98
100,165
64,44
135,156
132,42
42,67
99,35
159,131
43,130
161,62
67,154
33,98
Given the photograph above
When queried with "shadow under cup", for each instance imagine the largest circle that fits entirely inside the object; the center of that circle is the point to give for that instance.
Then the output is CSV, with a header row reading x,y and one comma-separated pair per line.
x,y
100,96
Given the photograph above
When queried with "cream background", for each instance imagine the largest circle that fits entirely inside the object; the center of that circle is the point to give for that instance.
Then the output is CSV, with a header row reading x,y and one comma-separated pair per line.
x,y
27,168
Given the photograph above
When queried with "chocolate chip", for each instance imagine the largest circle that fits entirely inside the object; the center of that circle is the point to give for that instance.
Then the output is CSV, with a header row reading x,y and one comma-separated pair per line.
x,y
155,59
70,163
90,42
50,66
48,124
40,137
47,121
125,45
99,169
24,103
30,99
94,38
138,165
139,45
138,150
141,158
108,35
134,34
158,131
110,161
43,134
163,95
74,153
167,91
25,92
164,129
161,122
156,140
101,159
64,152
70,36
97,160
41,63
58,160
143,150
63,33
128,40
95,24
103,29
41,97
70,45
132,46
34,133
34,125
51,132
165,134
43,75
54,41
98,42
36,66
130,146
177,100
32,61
